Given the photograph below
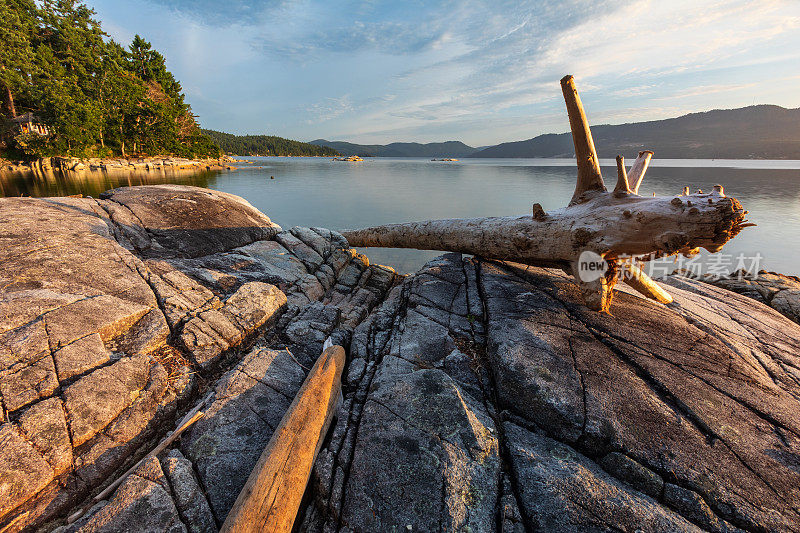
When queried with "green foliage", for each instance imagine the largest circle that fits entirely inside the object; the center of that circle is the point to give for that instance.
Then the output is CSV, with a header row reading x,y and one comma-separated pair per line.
x,y
266,145
16,52
31,144
95,96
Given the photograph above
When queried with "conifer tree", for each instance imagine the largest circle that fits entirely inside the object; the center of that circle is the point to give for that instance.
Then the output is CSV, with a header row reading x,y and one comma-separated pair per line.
x,y
95,96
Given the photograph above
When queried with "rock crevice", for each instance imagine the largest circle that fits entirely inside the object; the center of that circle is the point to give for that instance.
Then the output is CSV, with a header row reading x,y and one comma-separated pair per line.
x,y
478,395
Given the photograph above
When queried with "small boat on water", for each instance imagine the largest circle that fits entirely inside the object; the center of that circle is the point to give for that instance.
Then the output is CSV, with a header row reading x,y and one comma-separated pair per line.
x,y
445,159
348,158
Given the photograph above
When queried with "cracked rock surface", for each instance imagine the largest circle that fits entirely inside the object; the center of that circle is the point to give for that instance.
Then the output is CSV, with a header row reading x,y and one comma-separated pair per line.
x,y
485,395
478,395
116,313
778,291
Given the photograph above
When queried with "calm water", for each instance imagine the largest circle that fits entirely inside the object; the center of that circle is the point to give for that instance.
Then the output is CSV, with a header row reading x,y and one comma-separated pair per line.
x,y
338,195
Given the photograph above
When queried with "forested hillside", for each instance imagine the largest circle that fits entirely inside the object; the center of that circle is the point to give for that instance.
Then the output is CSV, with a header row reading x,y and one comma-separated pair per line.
x,y
266,145
95,96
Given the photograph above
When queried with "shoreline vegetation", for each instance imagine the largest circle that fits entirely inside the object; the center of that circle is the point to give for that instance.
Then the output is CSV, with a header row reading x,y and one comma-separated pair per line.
x,y
74,100
70,91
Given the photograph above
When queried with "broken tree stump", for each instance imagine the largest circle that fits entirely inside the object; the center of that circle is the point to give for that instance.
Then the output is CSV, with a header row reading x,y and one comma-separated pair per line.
x,y
272,494
617,225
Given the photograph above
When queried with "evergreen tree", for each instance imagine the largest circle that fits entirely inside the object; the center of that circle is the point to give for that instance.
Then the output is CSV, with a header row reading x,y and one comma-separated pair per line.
x,y
16,51
266,145
95,96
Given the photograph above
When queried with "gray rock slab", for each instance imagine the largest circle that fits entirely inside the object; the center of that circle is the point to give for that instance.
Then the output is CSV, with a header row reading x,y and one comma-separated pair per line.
x,y
250,401
80,355
560,490
190,221
650,376
142,503
36,380
426,452
189,498
23,470
778,291
95,400
212,332
45,426
417,450
91,285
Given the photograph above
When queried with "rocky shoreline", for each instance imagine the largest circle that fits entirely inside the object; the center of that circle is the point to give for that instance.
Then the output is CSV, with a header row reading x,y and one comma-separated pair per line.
x,y
112,165
478,395
778,291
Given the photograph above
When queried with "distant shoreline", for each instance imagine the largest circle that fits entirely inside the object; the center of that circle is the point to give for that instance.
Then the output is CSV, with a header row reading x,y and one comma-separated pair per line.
x,y
320,156
777,164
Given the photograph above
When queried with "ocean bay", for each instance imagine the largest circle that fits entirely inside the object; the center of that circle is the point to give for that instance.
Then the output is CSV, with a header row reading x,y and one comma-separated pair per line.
x,y
309,191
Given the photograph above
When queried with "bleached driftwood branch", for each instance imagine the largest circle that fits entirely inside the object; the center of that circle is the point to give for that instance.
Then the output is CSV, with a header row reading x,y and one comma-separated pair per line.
x,y
589,177
615,225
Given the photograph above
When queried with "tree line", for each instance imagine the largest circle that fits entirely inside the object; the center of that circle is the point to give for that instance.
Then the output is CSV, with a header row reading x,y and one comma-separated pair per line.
x,y
266,145
96,97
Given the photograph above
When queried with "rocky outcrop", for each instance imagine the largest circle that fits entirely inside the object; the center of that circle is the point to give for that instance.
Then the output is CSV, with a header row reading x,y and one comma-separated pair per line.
x,y
659,418
778,291
111,166
112,309
478,395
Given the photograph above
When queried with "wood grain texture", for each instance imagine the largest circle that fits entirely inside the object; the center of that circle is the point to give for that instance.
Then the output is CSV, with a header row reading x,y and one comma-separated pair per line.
x,y
589,177
272,494
636,175
614,225
605,224
622,187
644,284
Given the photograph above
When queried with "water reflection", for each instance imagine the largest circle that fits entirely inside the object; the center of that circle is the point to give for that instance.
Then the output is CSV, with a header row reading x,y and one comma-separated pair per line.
x,y
92,183
319,192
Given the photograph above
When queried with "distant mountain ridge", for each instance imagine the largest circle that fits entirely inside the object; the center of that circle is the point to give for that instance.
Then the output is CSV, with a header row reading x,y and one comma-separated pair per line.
x,y
441,149
753,132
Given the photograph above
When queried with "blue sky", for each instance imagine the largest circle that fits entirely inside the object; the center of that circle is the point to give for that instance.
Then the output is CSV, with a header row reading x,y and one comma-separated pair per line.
x,y
480,71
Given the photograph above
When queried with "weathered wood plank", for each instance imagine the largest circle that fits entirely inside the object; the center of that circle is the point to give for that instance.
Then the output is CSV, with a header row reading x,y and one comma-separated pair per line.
x,y
271,497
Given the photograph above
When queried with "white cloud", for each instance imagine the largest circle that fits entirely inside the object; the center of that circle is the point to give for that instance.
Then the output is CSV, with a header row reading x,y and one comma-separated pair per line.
x,y
625,53
480,70
328,109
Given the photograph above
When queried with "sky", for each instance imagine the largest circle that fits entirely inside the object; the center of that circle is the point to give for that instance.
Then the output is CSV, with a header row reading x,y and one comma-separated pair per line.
x,y
482,72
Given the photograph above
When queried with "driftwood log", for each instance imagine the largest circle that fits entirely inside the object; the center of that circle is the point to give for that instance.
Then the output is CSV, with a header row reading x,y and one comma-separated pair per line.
x,y
272,494
619,226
